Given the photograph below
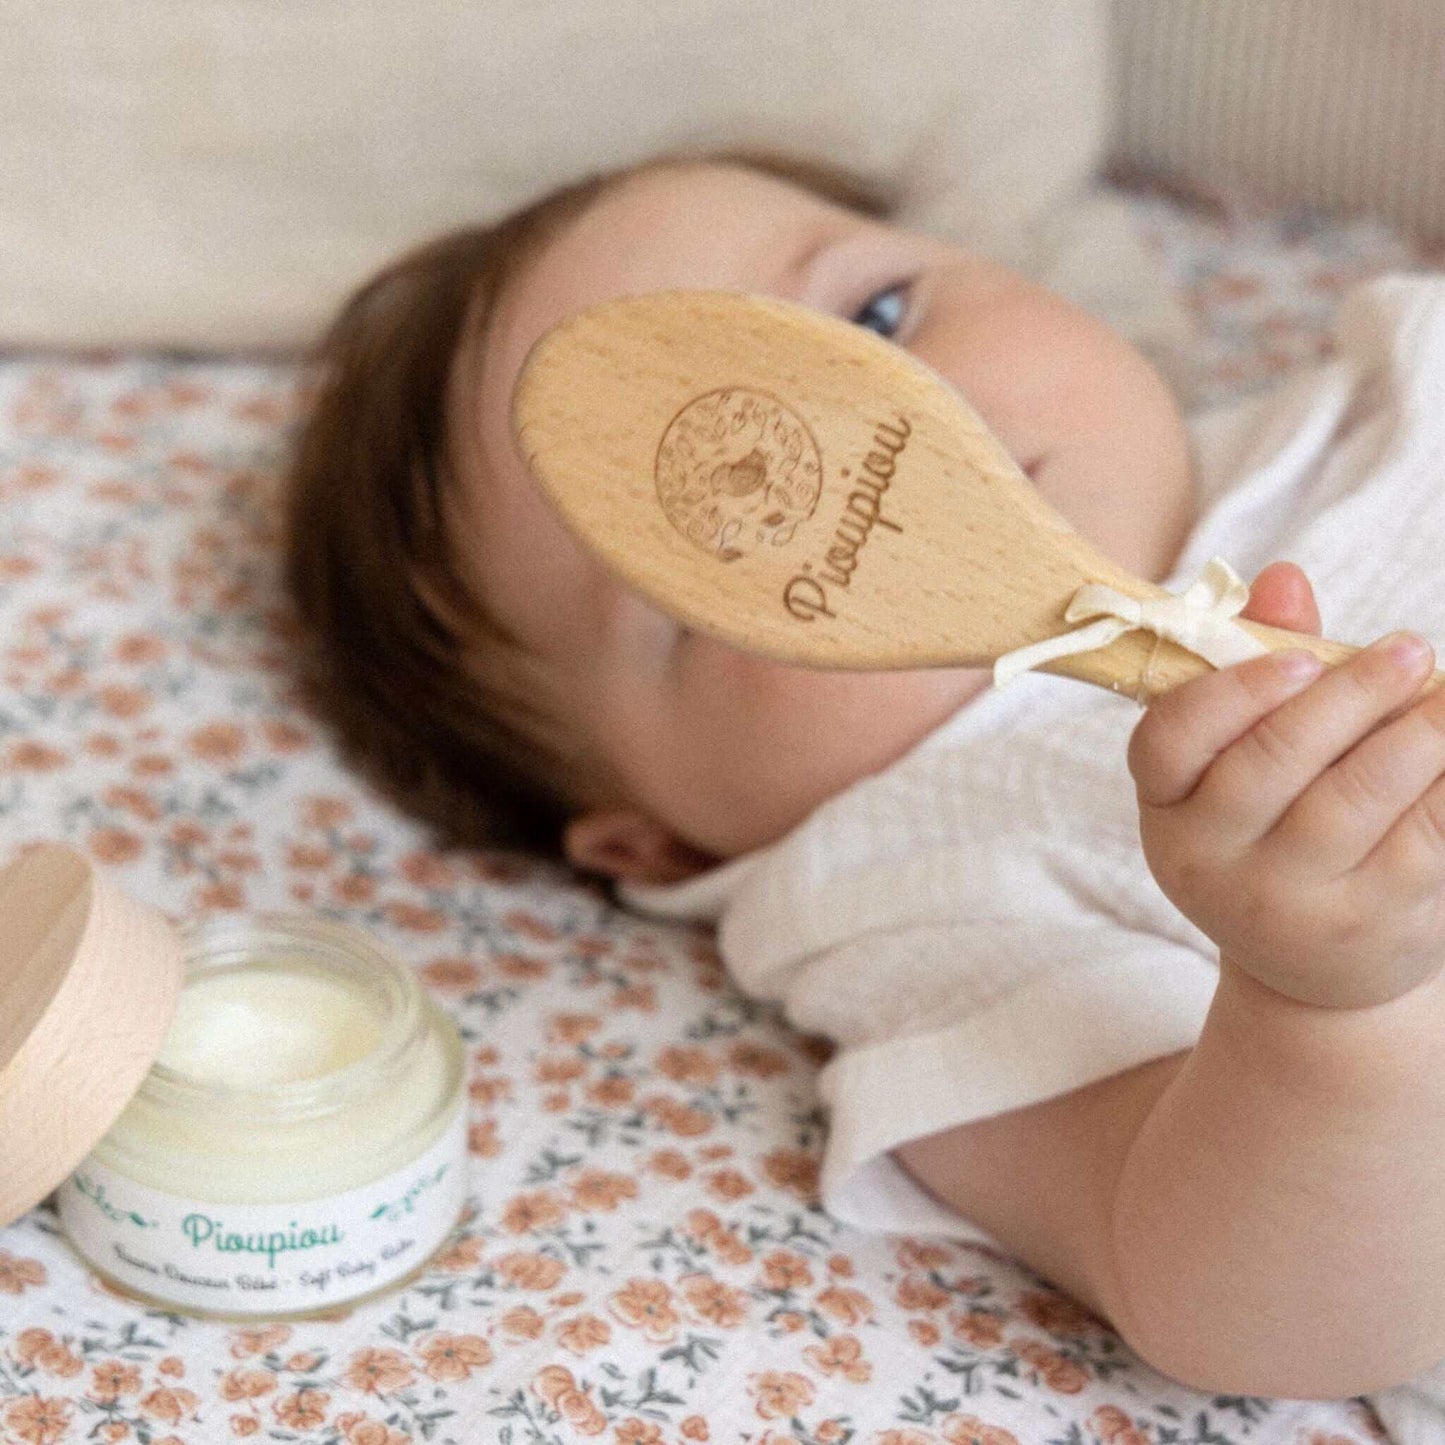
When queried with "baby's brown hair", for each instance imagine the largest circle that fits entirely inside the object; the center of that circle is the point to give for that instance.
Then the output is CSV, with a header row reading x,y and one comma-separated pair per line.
x,y
416,680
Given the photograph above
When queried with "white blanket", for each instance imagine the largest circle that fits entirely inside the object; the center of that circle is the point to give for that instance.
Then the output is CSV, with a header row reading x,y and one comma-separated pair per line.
x,y
975,925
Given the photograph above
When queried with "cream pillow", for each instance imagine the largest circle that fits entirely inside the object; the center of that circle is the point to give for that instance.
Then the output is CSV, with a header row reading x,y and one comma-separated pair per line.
x,y
218,173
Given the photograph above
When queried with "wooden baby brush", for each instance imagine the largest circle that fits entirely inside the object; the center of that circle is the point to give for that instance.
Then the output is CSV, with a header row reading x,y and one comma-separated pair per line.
x,y
800,488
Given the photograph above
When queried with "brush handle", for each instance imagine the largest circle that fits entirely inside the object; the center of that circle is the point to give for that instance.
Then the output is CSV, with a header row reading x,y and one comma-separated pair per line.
x,y
1142,666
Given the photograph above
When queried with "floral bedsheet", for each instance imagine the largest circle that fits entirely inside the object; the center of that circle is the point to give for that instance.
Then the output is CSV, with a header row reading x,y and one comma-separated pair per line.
x,y
644,1261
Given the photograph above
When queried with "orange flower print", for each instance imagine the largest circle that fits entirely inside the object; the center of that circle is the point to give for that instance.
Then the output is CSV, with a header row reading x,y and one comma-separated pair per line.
x,y
527,1270
29,756
113,1378
558,1387
597,1189
982,1330
779,1394
37,1421
536,1209
169,1405
354,888
783,1269
646,1305
41,1350
758,1061
712,1300
847,1306
461,1255
905,1437
283,736
841,1355
518,966
489,1089
1058,1373
303,1410
135,801
482,1139
522,1322
670,1163
247,1384
378,1371
306,1360
414,918
530,926
358,1429
916,1293
925,1333
793,1170
1057,1313
18,1275
325,812
572,1028
241,1425
829,1432
687,1065
633,1431
218,742
790,1321
29,1343
449,1358
970,1430
172,1365
1114,1427
680,1119
914,1254
694,1428
308,858
224,894
553,1381
582,1333
728,1184
426,870
612,1092
560,1069
454,975
248,1342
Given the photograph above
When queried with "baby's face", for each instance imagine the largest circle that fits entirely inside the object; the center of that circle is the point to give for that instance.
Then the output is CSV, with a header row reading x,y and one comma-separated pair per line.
x,y
725,750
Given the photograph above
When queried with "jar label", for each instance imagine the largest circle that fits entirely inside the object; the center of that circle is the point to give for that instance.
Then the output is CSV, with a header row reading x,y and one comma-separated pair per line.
x,y
266,1259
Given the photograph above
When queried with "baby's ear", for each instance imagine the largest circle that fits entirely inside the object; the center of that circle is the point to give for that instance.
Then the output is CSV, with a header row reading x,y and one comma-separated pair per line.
x,y
630,846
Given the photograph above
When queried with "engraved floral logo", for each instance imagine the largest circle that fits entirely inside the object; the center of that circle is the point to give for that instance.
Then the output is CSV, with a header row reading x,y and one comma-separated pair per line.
x,y
738,470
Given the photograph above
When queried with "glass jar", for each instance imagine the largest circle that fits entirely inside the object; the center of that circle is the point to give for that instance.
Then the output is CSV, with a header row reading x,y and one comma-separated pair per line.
x,y
299,1143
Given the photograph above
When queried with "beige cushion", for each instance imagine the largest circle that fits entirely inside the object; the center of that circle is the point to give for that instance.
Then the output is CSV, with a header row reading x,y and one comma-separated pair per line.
x,y
1337,103
220,172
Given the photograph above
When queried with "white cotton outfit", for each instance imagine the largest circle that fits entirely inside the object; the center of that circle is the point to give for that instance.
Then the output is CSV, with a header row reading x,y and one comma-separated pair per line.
x,y
975,926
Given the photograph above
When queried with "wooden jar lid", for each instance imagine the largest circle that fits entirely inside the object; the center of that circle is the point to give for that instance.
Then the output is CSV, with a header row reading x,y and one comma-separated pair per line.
x,y
88,983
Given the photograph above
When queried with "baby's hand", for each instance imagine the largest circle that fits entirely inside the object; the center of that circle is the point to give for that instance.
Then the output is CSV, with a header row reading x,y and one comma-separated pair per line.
x,y
1297,814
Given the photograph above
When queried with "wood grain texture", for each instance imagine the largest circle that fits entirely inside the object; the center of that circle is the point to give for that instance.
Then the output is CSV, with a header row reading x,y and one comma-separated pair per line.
x,y
800,488
88,984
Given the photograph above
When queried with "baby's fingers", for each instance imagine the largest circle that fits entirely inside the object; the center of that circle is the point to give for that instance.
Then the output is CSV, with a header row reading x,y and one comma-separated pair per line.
x,y
1185,730
1244,791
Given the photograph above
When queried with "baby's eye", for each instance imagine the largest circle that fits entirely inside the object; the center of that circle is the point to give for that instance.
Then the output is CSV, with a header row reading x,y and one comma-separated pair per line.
x,y
885,312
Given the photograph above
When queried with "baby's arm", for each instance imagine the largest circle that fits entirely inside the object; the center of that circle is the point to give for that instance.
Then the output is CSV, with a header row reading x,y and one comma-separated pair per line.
x,y
1261,1214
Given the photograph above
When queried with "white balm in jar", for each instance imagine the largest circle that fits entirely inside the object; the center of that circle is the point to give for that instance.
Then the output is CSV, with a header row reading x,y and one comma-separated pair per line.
x,y
300,1139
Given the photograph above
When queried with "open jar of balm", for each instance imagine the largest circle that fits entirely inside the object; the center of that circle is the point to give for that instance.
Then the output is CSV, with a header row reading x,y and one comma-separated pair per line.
x,y
288,1135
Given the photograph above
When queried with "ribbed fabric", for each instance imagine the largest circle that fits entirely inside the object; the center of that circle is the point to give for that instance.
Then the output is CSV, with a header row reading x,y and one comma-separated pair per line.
x,y
1339,103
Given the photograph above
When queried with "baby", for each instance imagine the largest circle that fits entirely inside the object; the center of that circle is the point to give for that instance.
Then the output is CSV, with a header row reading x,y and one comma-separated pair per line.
x,y
1201,1088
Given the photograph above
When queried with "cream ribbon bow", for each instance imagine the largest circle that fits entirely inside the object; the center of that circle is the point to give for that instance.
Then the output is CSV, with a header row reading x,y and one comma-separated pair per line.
x,y
1200,619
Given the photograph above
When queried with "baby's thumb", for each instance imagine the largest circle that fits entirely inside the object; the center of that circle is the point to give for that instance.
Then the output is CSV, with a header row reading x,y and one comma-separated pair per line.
x,y
1281,596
